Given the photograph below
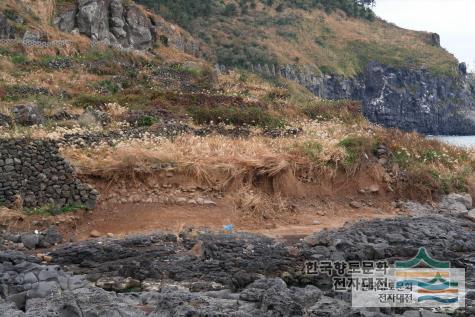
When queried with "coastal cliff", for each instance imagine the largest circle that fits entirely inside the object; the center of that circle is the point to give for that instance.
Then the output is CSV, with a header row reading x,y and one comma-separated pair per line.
x,y
417,100
408,99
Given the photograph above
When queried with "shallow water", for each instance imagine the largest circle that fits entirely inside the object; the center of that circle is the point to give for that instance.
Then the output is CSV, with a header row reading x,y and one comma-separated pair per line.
x,y
463,141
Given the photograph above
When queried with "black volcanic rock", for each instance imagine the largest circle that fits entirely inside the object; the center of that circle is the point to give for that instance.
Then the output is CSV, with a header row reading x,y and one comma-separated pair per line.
x,y
232,275
6,30
416,100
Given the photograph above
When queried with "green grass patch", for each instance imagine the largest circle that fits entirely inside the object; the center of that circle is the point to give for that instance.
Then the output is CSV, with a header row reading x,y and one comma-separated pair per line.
x,y
239,116
356,147
19,59
311,149
95,101
147,121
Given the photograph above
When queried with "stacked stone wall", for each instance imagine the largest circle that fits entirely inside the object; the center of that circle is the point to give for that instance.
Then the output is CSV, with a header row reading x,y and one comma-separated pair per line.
x,y
33,174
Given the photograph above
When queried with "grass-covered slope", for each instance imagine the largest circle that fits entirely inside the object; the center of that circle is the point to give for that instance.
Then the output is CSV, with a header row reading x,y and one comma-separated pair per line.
x,y
332,36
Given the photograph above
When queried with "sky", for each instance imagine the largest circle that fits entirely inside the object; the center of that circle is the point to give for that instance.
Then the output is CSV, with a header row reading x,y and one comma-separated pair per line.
x,y
453,20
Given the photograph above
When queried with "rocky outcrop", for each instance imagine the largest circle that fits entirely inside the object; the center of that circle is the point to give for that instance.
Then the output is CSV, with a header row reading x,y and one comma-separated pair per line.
x,y
418,100
27,115
411,100
6,30
213,274
124,25
33,174
109,21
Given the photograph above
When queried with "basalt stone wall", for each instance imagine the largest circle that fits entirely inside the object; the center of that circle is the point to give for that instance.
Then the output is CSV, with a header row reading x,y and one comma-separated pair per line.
x,y
33,172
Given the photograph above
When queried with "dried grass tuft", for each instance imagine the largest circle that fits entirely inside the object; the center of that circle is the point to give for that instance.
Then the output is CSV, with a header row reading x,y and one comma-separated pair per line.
x,y
257,204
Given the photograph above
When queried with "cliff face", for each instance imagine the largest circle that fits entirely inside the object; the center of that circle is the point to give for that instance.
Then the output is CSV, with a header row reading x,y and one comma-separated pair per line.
x,y
127,26
411,100
417,100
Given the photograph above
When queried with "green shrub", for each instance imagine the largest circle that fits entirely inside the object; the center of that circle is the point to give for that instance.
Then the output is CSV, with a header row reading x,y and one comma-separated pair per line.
x,y
110,86
311,149
356,147
254,116
19,59
147,121
94,101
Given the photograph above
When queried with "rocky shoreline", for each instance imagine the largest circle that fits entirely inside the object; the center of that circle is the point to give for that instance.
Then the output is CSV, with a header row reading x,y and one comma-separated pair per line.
x,y
200,273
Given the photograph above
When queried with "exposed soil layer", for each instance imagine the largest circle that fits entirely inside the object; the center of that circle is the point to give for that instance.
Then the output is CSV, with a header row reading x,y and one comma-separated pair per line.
x,y
125,219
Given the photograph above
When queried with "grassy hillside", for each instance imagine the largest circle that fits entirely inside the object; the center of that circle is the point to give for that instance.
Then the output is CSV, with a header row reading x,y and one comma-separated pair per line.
x,y
143,109
332,36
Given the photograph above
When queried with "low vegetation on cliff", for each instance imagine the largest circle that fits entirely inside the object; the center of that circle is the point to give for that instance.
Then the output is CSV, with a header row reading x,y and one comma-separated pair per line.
x,y
330,36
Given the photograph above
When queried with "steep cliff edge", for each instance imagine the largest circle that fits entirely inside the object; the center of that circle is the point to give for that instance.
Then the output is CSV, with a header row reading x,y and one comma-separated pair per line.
x,y
417,100
408,99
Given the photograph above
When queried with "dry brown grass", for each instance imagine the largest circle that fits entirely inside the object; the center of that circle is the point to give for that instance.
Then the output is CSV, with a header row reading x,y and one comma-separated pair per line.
x,y
217,160
324,41
426,167
253,203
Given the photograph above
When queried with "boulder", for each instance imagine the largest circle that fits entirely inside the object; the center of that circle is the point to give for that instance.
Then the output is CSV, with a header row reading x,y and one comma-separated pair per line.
x,y
92,19
5,121
27,114
456,203
138,29
435,39
471,215
30,240
374,188
356,204
52,235
66,21
35,36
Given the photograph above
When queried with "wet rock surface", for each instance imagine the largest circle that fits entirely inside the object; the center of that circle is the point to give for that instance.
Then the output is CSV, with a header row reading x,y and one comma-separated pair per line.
x,y
213,274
